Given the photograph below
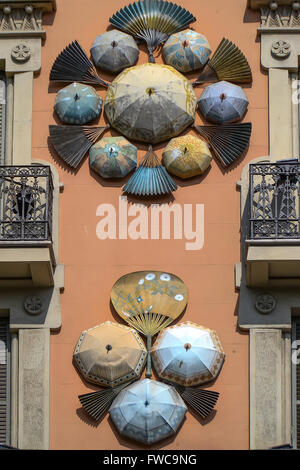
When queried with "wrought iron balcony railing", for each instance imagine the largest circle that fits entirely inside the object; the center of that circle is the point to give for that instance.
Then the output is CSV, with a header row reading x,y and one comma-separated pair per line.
x,y
26,197
274,200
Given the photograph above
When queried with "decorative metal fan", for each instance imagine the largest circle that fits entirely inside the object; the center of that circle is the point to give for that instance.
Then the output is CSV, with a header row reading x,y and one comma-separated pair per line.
x,y
228,63
152,21
73,65
228,142
202,401
73,142
149,302
96,404
151,178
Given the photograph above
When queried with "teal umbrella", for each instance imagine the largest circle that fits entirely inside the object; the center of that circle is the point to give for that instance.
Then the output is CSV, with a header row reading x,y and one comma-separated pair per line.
x,y
78,104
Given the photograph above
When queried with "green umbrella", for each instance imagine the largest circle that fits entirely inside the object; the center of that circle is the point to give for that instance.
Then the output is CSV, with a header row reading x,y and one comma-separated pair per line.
x,y
113,157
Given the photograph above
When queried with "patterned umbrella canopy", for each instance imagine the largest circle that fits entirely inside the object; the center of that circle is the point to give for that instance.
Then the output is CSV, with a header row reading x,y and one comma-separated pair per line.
x,y
113,157
223,103
187,156
148,411
114,50
187,51
110,354
187,354
78,104
150,103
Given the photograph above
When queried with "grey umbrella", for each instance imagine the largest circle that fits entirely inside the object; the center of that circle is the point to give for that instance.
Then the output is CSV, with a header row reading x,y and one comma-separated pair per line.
x,y
113,51
223,103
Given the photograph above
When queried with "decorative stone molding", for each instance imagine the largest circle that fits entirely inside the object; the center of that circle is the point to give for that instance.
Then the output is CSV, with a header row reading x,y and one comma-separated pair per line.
x,y
21,53
281,49
18,18
265,303
33,305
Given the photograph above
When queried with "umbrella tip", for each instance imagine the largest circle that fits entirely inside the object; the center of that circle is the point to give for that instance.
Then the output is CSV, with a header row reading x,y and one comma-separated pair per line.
x,y
187,346
147,403
108,348
114,44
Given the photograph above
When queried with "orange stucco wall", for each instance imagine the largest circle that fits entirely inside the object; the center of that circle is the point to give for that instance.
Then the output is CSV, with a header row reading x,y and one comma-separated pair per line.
x,y
92,266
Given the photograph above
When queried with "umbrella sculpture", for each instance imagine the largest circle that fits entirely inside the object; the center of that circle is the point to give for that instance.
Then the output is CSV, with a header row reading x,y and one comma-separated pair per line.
x,y
152,21
113,51
149,301
77,104
187,51
109,355
151,178
187,156
113,157
148,411
150,103
223,103
189,355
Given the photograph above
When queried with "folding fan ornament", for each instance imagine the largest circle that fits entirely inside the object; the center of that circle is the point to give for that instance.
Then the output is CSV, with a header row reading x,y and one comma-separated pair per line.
x,y
228,63
152,21
151,178
228,142
148,411
149,301
187,156
189,355
73,65
73,142
109,355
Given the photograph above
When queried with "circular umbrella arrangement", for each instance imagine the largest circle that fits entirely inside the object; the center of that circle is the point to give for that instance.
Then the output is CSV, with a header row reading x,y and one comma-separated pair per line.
x,y
153,103
184,356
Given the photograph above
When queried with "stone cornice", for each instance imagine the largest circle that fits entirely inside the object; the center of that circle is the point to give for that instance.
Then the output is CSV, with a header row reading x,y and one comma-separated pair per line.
x,y
257,4
24,19
45,5
278,16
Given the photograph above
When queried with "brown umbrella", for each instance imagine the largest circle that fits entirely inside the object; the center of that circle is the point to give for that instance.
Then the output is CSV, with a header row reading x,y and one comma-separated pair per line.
x,y
110,354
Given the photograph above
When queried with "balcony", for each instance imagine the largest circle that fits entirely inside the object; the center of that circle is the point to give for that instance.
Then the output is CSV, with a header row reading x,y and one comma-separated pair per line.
x,y
274,200
273,242
26,202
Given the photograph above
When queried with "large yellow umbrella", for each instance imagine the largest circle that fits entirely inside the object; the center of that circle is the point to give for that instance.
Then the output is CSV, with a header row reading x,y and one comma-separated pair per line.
x,y
150,103
110,354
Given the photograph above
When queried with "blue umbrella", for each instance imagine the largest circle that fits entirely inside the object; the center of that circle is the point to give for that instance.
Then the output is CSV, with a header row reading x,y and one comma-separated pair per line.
x,y
113,51
78,104
223,103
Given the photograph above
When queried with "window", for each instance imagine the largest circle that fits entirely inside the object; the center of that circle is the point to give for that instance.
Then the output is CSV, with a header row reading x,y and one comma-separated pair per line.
x,y
4,381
